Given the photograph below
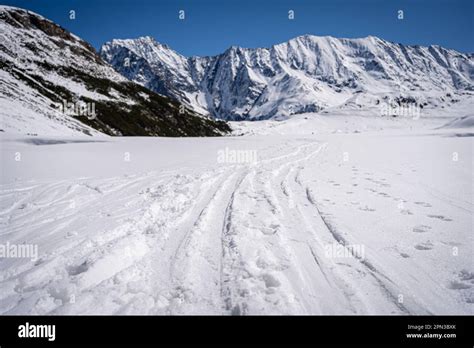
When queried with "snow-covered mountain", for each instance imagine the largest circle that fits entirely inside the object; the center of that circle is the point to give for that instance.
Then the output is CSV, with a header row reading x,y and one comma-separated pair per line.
x,y
305,74
52,82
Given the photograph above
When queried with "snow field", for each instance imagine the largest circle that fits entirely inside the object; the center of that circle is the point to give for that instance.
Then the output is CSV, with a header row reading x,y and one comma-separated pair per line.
x,y
173,231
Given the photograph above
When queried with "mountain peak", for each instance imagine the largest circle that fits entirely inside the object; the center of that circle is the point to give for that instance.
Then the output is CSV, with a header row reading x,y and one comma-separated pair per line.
x,y
305,74
150,40
52,81
139,44
329,38
141,39
17,11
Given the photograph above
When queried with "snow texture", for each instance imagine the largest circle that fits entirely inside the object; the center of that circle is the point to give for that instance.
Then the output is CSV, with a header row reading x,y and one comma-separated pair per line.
x,y
337,216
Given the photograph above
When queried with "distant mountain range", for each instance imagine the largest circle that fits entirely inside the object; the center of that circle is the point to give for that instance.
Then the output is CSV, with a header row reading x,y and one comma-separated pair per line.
x,y
305,74
52,82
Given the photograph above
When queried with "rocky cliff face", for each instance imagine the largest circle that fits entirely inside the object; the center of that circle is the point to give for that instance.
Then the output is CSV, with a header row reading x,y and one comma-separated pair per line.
x,y
305,74
52,82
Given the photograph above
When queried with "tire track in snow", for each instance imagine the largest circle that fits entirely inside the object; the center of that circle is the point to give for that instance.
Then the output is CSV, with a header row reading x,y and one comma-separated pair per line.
x,y
385,284
196,265
256,251
227,251
334,275
331,295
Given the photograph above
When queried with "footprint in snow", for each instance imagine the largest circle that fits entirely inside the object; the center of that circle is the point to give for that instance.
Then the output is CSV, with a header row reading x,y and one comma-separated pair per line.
x,y
423,204
77,269
421,228
406,212
439,217
464,280
272,229
366,208
270,281
424,246
456,285
466,276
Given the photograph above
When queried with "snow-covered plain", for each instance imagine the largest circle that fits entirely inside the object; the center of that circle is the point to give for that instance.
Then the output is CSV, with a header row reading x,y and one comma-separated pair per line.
x,y
170,226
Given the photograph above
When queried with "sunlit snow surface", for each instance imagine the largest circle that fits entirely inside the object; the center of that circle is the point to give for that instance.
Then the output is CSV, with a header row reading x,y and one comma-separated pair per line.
x,y
161,226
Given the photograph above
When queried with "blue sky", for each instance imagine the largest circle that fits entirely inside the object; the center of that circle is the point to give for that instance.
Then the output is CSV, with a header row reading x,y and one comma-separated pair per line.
x,y
211,26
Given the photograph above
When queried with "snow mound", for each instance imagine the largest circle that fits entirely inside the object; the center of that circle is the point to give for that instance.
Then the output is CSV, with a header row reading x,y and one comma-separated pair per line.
x,y
461,122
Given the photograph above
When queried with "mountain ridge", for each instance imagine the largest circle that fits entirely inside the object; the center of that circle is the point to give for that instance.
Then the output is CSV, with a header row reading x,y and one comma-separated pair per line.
x,y
48,74
305,74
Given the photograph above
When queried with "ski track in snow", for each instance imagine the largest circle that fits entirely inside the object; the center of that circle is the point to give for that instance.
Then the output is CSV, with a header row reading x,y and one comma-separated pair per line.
x,y
234,239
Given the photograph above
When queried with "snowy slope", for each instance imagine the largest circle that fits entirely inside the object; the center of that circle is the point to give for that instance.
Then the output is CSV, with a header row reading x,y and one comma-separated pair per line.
x,y
43,66
326,222
305,74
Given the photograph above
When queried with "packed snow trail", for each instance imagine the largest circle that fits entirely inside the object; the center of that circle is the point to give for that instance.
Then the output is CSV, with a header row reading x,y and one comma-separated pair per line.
x,y
200,237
